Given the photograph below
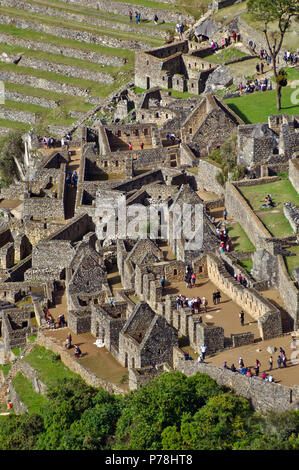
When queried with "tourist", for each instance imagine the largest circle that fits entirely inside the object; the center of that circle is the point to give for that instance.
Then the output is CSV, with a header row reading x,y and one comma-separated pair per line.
x,y
284,360
188,280
130,15
214,298
205,304
244,282
130,146
68,342
279,361
200,319
227,246
224,365
156,19
224,214
141,145
162,282
193,279
257,67
203,351
262,68
218,296
270,378
241,362
264,375
45,141
62,142
77,352
270,362
167,136
233,369
241,316
248,372
257,367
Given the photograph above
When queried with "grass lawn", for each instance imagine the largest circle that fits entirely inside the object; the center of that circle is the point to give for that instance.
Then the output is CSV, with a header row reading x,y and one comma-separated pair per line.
x,y
5,368
15,125
239,238
277,224
49,366
273,218
34,401
281,191
257,106
247,264
292,262
231,53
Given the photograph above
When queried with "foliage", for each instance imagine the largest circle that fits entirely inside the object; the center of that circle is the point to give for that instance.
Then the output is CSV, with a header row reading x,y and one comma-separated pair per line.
x,y
282,12
160,404
10,146
226,158
173,412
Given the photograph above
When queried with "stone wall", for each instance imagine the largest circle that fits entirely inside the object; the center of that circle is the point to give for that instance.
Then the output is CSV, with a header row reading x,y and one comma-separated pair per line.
x,y
121,8
77,35
294,172
17,115
48,85
63,69
289,292
263,395
292,214
91,56
206,178
251,224
76,367
92,20
249,299
22,98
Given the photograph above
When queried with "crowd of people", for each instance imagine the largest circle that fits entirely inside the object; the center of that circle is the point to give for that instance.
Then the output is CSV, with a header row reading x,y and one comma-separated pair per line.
x,y
281,361
255,85
290,58
50,142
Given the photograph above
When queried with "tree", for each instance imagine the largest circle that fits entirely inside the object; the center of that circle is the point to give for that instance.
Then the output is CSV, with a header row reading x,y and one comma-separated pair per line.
x,y
282,12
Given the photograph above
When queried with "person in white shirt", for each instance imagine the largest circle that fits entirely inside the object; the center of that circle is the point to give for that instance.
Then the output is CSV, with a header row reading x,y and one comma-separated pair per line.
x,y
203,351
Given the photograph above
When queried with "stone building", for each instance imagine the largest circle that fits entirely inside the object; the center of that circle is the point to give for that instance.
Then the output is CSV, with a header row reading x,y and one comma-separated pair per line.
x,y
174,66
146,339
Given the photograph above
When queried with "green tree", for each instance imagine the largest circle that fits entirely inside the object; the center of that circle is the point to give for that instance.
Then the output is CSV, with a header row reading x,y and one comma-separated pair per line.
x,y
20,432
270,11
160,404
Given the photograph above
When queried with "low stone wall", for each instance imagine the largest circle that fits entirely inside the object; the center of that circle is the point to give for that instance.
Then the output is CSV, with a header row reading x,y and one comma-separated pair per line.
x,y
251,224
16,115
82,54
294,172
263,395
18,406
288,291
242,339
77,35
292,214
121,8
63,69
22,98
76,367
250,300
206,179
92,20
35,82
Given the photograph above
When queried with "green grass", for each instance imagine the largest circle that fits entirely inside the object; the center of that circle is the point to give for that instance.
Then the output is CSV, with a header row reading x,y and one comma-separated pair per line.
x,y
83,10
239,238
247,264
16,351
257,106
281,191
34,401
74,25
226,55
292,262
49,368
5,368
277,224
15,125
273,218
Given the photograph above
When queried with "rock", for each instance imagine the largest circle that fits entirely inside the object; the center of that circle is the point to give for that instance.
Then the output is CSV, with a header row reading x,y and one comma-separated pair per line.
x,y
219,79
207,28
271,349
